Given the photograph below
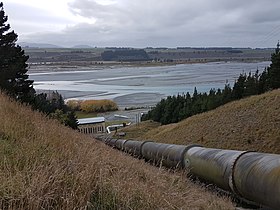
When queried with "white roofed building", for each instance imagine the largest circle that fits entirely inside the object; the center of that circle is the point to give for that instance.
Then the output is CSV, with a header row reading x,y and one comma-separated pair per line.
x,y
92,125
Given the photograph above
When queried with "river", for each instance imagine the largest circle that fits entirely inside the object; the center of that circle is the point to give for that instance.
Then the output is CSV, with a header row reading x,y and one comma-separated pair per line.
x,y
141,86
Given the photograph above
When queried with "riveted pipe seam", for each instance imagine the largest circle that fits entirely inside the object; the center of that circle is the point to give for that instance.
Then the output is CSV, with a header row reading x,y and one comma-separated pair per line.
x,y
231,179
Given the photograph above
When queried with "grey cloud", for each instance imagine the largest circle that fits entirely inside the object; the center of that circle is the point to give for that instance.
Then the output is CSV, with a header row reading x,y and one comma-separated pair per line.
x,y
174,23
136,14
31,14
27,19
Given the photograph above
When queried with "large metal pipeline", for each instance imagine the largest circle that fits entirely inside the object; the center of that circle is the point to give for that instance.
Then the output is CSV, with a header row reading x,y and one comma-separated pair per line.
x,y
212,165
250,175
169,155
134,147
256,176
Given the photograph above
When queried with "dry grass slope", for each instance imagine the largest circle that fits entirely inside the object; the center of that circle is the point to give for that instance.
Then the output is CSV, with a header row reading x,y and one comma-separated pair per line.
x,y
44,165
249,124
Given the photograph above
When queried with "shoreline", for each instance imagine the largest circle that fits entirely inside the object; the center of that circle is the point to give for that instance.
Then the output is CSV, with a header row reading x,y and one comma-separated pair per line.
x,y
44,67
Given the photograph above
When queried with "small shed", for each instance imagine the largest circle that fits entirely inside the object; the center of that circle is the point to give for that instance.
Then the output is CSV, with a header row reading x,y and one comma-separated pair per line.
x,y
92,125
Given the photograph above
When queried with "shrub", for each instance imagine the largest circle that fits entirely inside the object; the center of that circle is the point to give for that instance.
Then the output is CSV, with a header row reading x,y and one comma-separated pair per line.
x,y
98,106
74,105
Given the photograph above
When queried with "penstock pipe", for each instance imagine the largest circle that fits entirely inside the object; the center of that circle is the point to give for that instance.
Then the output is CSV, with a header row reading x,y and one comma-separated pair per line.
x,y
252,176
256,177
211,165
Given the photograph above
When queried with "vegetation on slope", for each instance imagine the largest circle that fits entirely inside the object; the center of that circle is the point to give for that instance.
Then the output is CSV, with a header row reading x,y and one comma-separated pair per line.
x,y
44,165
248,124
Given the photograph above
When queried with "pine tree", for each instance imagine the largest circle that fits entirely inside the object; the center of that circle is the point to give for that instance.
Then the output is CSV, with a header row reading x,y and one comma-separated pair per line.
x,y
13,67
274,69
238,87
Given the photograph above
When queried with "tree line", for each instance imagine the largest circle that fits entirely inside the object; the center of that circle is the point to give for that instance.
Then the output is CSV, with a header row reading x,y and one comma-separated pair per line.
x,y
15,81
176,108
125,55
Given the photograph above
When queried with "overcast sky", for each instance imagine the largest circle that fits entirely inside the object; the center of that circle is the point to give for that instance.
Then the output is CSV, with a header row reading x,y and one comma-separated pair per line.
x,y
143,23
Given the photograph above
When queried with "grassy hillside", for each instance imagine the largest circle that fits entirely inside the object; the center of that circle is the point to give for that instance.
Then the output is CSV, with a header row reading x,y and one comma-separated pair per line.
x,y
249,124
44,165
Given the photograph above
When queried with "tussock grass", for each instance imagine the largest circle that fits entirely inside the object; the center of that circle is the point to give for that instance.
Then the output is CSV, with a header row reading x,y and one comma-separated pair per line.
x,y
137,131
44,165
249,124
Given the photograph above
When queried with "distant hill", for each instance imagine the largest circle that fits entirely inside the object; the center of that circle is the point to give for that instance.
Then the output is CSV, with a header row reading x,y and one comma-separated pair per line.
x,y
46,45
37,45
249,124
82,46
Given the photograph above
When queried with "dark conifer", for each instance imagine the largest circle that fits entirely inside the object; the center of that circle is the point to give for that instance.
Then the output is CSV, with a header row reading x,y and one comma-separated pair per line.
x,y
238,88
274,69
13,67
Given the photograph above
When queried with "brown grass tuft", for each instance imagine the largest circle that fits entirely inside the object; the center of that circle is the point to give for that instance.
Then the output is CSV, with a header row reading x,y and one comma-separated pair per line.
x,y
44,165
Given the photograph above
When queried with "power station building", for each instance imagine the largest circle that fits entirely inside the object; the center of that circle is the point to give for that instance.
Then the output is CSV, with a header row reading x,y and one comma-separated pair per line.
x,y
92,125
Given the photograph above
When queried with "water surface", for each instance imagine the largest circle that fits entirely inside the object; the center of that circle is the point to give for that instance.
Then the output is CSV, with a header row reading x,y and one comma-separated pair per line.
x,y
139,86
